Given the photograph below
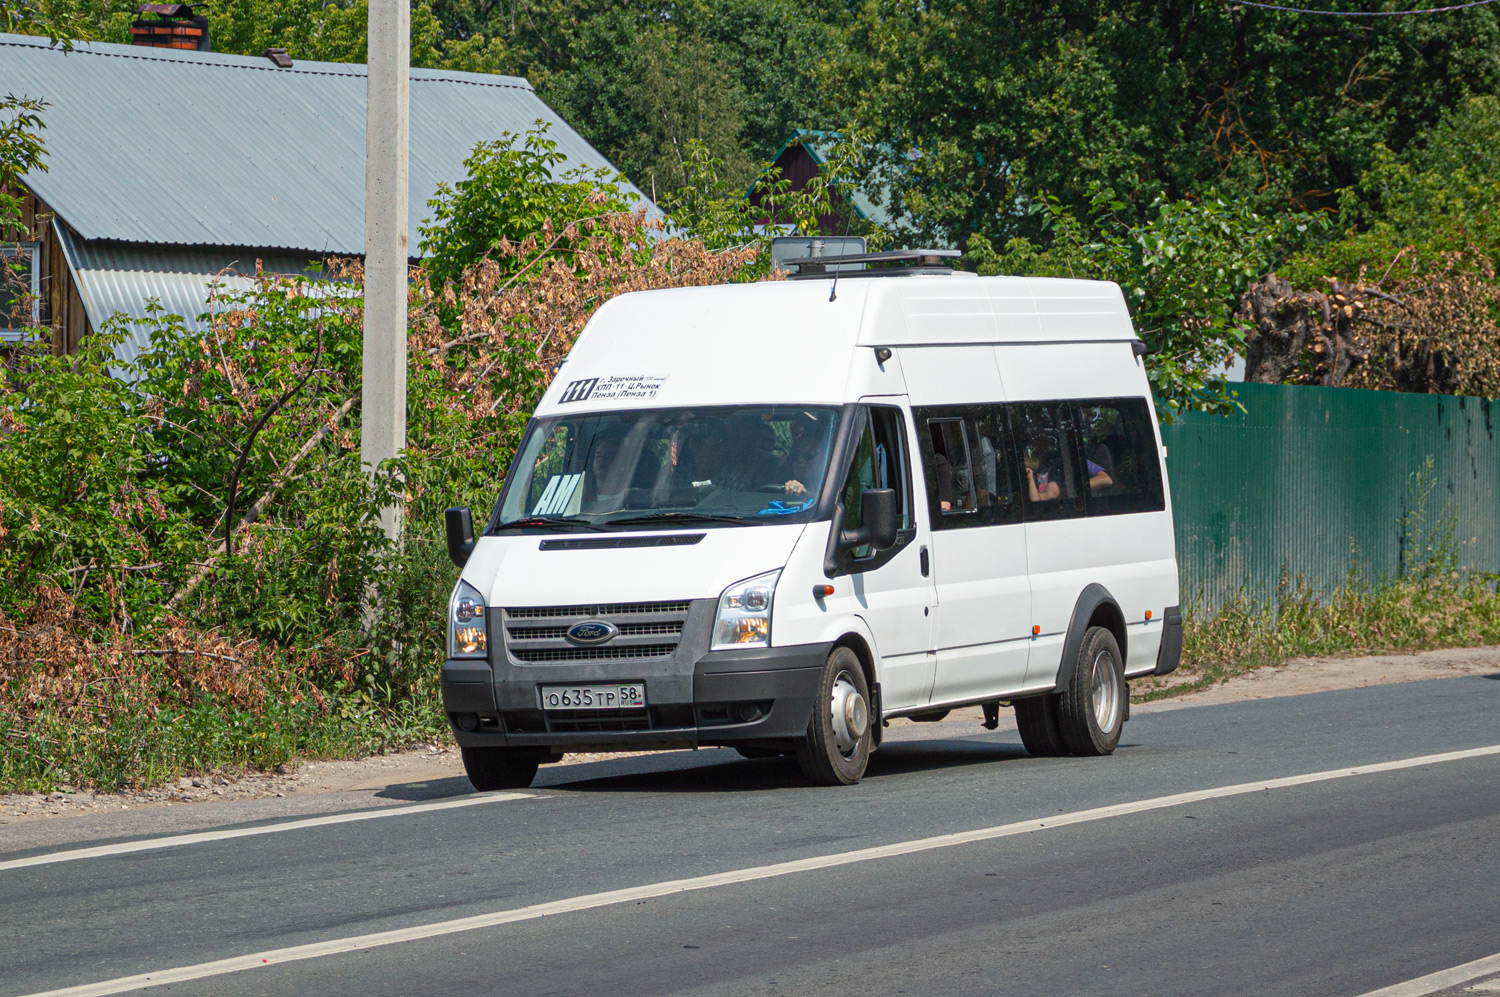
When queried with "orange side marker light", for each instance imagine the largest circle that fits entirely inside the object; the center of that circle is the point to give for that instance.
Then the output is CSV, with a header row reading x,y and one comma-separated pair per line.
x,y
822,591
1148,614
1035,630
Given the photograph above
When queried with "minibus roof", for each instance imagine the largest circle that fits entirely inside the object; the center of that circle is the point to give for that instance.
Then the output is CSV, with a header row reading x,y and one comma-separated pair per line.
x,y
794,341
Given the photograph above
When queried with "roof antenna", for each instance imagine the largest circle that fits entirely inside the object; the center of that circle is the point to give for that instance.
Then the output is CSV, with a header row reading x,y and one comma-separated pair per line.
x,y
848,217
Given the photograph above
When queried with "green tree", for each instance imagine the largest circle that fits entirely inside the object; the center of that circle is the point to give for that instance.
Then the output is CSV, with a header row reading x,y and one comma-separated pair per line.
x,y
312,30
736,74
512,189
1182,269
1441,194
980,106
681,92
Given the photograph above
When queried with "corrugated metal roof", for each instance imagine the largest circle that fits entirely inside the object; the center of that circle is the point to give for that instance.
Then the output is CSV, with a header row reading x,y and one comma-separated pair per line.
x,y
118,278
201,148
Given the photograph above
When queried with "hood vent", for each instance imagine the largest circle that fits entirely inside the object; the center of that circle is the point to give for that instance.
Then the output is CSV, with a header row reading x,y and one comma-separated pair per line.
x,y
611,543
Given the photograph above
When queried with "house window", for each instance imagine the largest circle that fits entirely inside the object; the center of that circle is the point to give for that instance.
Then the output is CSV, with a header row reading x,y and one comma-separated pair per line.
x,y
20,291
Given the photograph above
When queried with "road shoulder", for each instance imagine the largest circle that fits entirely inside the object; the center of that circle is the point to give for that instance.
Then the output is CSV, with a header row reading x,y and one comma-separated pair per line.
x,y
435,771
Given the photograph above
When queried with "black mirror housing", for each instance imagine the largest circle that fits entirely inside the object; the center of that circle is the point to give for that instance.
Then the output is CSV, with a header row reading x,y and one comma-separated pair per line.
x,y
460,526
878,510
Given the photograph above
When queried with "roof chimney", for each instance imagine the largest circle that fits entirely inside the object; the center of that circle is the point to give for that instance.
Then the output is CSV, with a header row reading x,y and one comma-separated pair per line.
x,y
175,25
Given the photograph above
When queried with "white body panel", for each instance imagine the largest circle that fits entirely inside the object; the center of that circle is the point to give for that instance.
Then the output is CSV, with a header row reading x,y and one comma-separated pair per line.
x,y
962,631
515,571
984,597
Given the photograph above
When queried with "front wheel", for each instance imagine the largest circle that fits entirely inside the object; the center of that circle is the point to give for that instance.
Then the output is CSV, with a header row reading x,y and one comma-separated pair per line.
x,y
1091,713
491,768
837,746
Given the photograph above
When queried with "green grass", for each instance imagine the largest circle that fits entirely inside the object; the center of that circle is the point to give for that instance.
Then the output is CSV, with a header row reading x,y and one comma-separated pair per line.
x,y
1437,609
127,748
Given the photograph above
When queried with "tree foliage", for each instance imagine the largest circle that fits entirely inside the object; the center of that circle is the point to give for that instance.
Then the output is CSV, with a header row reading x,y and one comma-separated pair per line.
x,y
512,187
999,101
1182,269
115,575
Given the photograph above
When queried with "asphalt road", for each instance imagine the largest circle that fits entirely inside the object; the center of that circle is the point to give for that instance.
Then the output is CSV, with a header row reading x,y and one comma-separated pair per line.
x,y
1067,876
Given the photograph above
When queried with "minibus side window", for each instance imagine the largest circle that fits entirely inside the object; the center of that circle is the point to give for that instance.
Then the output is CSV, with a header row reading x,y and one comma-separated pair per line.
x,y
879,462
966,457
950,472
1119,448
1049,466
994,467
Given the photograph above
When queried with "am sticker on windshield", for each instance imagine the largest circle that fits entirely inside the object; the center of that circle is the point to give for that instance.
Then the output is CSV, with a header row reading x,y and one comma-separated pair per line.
x,y
558,496
620,387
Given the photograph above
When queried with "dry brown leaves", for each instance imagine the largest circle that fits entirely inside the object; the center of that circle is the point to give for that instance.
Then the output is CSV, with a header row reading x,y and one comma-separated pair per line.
x,y
1427,325
523,307
54,657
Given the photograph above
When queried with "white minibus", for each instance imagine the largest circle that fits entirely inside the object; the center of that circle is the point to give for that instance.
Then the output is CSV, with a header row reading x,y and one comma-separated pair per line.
x,y
775,516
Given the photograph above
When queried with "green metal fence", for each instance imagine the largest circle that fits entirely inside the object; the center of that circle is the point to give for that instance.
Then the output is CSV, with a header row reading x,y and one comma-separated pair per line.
x,y
1308,482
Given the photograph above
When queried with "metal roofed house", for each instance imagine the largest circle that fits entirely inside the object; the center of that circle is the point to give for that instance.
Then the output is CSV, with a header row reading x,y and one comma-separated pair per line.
x,y
803,156
165,166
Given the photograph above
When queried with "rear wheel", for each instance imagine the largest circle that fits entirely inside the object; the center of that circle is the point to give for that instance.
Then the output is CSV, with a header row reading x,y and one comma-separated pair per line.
x,y
837,746
1091,713
1036,719
500,768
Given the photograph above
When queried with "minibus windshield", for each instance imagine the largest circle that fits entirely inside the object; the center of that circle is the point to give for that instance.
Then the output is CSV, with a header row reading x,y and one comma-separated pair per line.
x,y
736,465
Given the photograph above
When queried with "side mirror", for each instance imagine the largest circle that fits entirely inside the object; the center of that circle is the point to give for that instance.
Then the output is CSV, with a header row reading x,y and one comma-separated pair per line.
x,y
881,519
460,526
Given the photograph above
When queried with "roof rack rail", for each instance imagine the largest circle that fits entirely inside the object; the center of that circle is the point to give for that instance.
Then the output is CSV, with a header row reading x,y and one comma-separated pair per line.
x,y
894,263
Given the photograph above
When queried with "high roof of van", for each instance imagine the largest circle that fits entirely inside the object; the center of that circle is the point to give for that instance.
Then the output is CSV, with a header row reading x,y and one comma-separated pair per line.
x,y
794,340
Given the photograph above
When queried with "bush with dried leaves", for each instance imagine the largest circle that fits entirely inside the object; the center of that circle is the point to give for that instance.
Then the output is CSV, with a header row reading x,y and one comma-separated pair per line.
x,y
207,534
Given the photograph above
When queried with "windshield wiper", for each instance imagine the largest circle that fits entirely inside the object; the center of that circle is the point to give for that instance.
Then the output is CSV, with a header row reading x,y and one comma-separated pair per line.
x,y
551,521
679,517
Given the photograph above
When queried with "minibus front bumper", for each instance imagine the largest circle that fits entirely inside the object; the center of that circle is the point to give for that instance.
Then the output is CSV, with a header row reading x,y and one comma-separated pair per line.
x,y
695,696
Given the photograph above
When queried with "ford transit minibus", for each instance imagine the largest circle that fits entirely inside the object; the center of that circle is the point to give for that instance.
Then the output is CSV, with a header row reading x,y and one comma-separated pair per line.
x,y
774,516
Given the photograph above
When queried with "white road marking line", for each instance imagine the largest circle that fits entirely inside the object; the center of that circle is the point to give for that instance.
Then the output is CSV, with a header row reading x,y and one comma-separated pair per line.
x,y
198,837
1487,987
1444,979
356,943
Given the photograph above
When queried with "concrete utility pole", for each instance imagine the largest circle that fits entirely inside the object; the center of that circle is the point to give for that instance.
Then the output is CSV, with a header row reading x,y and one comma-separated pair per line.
x,y
383,395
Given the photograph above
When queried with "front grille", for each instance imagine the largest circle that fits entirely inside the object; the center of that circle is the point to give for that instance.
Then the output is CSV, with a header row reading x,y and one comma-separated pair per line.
x,y
593,653
538,634
627,629
669,717
588,721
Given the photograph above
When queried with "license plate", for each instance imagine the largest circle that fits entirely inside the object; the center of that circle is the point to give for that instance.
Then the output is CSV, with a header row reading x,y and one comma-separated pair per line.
x,y
593,697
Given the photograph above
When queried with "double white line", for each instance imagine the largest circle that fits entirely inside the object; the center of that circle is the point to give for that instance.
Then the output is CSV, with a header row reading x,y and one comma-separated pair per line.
x,y
379,939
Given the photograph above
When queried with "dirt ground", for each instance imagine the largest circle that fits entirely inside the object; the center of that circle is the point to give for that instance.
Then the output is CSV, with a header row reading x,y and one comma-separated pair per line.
x,y
441,761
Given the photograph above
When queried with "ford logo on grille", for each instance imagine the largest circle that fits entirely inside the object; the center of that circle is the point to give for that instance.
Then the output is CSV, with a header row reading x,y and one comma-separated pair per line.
x,y
591,632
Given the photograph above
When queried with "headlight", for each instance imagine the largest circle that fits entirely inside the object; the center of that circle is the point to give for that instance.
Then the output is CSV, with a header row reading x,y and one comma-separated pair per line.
x,y
744,618
468,636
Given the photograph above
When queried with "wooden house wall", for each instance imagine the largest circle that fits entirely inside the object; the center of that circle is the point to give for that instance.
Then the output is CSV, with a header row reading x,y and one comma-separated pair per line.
x,y
61,307
798,166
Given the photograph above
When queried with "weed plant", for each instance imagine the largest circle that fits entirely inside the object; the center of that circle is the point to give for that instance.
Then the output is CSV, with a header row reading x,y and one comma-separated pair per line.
x,y
1432,602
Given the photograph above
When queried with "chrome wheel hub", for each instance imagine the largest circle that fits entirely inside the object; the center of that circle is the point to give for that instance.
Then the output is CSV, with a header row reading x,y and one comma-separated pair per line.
x,y
1104,684
851,714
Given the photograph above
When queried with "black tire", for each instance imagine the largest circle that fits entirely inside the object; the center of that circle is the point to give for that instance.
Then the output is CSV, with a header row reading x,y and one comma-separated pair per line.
x,y
1036,719
1091,713
822,758
491,768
